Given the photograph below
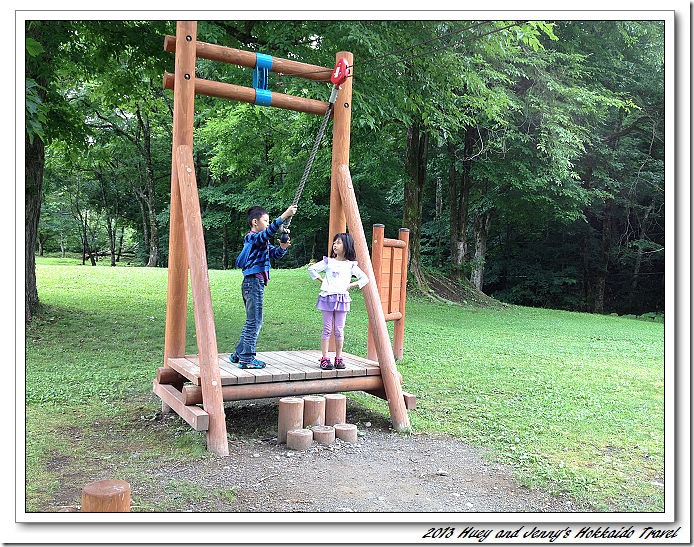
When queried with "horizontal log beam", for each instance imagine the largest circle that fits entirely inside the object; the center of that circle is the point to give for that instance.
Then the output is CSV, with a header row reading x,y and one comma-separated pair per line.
x,y
193,394
410,400
224,54
196,417
397,243
167,375
223,90
393,316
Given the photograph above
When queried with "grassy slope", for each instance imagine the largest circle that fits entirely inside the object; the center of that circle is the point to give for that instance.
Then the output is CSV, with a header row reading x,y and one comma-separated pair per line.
x,y
574,402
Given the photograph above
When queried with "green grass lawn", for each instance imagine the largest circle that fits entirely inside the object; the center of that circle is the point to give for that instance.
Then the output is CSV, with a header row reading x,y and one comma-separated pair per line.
x,y
573,402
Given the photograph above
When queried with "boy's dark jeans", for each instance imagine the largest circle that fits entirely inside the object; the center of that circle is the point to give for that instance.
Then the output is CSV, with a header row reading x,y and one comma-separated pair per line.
x,y
253,291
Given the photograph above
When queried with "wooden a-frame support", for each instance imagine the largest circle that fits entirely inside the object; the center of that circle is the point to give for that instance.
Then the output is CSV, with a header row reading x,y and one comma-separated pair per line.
x,y
186,242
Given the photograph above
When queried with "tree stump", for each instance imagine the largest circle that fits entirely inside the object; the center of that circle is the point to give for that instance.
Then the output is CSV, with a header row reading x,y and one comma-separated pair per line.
x,y
291,416
314,410
346,432
335,409
106,496
299,439
323,434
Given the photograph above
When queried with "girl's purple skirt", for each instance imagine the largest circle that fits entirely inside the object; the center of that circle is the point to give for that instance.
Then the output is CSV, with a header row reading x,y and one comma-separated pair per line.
x,y
333,302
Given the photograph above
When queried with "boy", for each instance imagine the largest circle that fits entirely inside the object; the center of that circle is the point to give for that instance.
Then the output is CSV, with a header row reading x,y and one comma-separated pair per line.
x,y
256,273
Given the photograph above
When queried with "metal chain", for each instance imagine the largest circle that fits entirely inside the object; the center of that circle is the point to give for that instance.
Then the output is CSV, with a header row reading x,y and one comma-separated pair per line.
x,y
311,157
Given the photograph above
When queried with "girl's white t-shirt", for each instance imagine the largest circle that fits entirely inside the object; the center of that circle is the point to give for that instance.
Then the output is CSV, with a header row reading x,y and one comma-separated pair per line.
x,y
338,275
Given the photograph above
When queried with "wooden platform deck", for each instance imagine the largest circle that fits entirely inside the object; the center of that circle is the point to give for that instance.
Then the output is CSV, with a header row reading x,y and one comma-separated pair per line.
x,y
288,373
282,366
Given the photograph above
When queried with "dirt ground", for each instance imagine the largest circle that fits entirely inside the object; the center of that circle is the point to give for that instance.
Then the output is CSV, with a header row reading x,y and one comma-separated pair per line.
x,y
382,472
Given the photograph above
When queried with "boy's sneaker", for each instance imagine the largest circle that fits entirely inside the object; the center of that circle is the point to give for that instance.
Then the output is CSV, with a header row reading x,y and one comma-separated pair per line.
x,y
234,358
255,363
339,363
325,363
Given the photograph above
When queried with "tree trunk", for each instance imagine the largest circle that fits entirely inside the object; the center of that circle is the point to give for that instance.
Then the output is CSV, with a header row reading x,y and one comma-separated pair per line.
x,y
459,198
149,184
83,234
111,239
94,248
34,165
481,227
416,154
439,197
120,243
145,225
606,243
605,251
639,254
153,236
41,241
225,247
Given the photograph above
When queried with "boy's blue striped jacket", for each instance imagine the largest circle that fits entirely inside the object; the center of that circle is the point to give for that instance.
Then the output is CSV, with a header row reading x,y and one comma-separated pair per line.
x,y
257,250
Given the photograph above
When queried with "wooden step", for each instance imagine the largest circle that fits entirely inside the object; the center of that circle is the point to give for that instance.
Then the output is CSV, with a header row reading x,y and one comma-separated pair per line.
x,y
196,417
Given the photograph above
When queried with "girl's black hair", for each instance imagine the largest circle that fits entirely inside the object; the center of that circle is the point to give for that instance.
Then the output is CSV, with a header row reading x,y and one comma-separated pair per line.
x,y
347,244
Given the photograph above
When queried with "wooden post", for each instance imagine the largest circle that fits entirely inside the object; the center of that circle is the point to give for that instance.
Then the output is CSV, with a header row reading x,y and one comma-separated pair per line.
x,y
342,119
314,410
210,380
346,432
335,409
376,257
299,439
184,107
107,496
323,434
399,325
291,416
384,349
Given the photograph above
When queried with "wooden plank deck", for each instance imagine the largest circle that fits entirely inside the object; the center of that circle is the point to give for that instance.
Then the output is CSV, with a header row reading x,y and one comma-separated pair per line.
x,y
282,366
288,373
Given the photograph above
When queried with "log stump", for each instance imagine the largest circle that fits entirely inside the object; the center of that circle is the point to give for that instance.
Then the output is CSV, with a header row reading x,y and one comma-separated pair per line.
x,y
323,434
106,496
291,416
299,439
335,409
346,432
314,410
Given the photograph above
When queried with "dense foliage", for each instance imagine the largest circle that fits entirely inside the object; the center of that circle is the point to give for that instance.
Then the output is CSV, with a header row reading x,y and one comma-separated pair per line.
x,y
526,157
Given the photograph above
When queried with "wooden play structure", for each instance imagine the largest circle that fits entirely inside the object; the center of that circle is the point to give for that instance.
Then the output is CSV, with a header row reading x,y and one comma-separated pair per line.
x,y
196,386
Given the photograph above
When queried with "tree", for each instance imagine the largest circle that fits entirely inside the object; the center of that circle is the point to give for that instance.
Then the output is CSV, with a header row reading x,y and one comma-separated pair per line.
x,y
529,165
45,120
624,163
60,53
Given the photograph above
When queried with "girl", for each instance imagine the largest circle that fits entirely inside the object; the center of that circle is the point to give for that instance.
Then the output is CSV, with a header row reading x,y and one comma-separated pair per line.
x,y
334,299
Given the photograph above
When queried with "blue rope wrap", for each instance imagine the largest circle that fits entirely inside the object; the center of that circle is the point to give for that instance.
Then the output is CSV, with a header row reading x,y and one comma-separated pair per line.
x,y
263,60
263,64
263,97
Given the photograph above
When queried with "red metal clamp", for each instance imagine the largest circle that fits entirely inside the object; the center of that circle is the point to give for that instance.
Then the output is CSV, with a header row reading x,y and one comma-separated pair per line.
x,y
340,72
